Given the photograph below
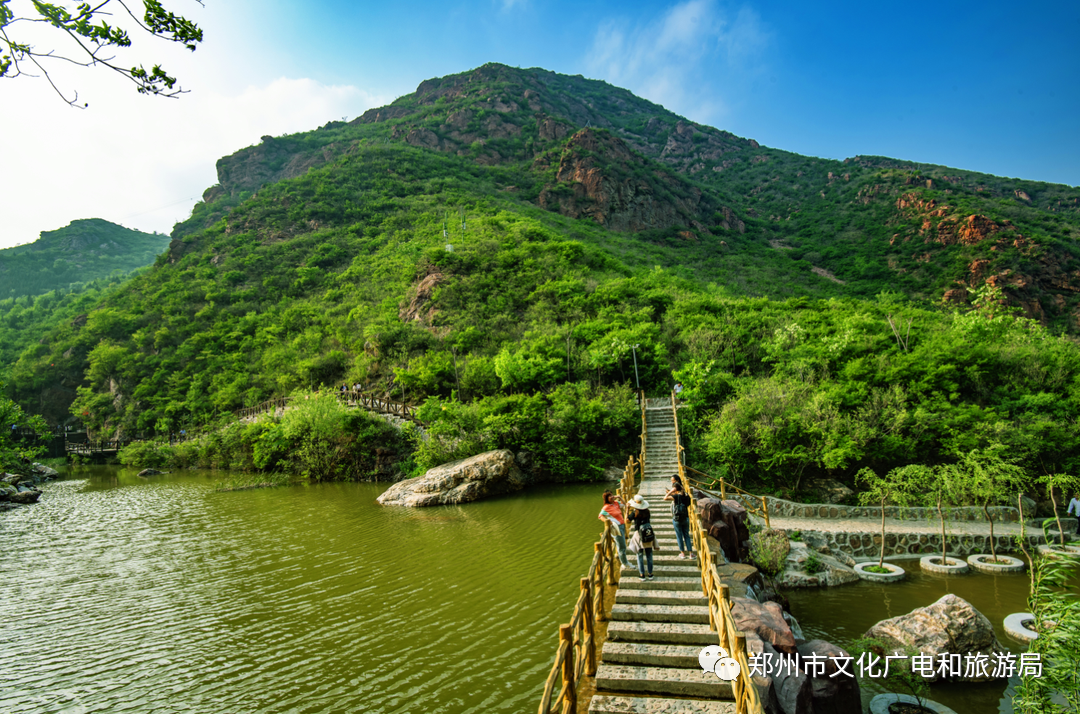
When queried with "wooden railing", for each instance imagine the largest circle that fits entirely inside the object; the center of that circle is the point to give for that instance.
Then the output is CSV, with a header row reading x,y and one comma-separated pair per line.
x,y
352,398
88,448
731,639
758,505
576,656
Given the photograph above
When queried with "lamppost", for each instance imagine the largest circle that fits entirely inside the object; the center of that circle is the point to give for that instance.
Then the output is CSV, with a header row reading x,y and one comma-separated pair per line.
x,y
636,380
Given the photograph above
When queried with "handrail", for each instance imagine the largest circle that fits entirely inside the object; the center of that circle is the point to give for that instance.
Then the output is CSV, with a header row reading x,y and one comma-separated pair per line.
x,y
576,656
716,592
762,511
644,428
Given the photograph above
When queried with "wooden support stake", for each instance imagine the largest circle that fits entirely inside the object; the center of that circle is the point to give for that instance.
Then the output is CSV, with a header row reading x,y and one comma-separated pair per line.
x,y
588,639
566,634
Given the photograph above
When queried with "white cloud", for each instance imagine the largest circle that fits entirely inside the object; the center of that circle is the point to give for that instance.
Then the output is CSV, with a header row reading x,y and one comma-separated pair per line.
x,y
143,161
674,59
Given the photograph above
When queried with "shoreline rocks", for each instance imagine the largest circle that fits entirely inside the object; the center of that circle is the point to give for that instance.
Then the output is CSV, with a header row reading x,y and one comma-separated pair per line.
x,y
489,474
22,489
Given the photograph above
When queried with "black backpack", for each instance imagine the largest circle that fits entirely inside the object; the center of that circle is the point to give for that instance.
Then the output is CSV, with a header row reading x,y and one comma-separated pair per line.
x,y
681,508
647,535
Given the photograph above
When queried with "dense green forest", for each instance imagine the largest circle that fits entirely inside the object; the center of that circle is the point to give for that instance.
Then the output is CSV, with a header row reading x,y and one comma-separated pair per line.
x,y
473,250
80,252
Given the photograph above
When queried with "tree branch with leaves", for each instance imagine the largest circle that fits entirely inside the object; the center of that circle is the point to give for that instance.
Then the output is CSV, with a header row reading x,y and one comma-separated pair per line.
x,y
88,35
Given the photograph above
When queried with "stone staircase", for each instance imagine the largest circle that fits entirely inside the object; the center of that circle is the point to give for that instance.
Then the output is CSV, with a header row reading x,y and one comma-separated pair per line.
x,y
649,662
661,459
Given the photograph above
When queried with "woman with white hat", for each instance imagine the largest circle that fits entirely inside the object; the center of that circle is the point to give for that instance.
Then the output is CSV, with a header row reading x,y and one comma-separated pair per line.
x,y
641,519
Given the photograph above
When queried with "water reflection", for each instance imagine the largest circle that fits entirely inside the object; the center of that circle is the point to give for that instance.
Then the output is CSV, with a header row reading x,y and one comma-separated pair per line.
x,y
160,594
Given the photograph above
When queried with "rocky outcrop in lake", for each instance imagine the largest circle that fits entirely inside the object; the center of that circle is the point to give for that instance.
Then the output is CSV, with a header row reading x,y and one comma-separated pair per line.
x,y
488,474
949,626
21,489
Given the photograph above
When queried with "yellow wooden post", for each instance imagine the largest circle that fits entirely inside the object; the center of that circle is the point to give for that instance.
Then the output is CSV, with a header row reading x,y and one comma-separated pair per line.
x,y
765,510
566,635
588,639
598,548
740,683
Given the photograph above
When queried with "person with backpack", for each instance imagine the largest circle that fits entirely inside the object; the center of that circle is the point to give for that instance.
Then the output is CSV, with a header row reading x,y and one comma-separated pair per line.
x,y
612,511
645,535
680,517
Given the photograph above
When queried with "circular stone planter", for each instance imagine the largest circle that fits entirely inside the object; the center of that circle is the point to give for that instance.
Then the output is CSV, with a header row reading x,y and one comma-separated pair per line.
x,y
984,562
1052,551
1015,627
881,703
951,566
895,573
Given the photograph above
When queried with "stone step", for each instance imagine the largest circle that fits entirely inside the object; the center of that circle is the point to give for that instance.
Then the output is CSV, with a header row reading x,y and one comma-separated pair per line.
x,y
647,654
648,596
606,704
687,570
679,633
690,614
661,680
661,582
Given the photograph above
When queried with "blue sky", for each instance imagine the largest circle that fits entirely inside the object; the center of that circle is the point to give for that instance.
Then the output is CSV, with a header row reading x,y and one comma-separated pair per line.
x,y
989,86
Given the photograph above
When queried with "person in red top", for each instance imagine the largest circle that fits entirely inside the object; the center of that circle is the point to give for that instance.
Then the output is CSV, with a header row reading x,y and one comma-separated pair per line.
x,y
613,512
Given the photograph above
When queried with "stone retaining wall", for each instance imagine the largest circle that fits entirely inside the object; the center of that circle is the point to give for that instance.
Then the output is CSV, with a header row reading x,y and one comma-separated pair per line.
x,y
868,545
789,509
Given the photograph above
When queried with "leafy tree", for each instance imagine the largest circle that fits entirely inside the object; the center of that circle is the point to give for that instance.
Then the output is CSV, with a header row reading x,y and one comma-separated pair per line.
x,y
898,487
987,477
12,420
1067,483
84,38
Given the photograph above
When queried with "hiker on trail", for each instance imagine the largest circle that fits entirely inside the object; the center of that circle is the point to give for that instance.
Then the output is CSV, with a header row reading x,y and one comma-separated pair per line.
x,y
644,535
677,389
612,511
680,518
1074,506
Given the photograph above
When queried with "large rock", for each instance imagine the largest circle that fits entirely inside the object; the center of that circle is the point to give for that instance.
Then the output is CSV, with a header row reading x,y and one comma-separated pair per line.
x,y
13,479
726,521
25,497
45,471
831,693
765,620
476,477
950,625
831,490
790,690
7,491
795,575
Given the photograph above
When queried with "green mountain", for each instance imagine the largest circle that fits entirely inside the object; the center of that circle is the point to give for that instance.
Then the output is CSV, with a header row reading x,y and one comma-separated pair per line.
x,y
80,252
512,248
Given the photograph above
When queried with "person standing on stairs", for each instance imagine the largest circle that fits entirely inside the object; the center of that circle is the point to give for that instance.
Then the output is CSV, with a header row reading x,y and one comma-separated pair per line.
x,y
612,511
641,519
680,517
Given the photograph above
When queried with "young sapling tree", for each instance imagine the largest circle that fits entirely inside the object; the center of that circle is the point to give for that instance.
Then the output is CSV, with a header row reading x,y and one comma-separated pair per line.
x,y
894,487
1068,484
986,477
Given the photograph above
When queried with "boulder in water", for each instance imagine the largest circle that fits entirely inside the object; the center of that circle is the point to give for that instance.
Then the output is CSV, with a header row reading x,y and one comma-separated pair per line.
x,y
949,626
25,497
488,474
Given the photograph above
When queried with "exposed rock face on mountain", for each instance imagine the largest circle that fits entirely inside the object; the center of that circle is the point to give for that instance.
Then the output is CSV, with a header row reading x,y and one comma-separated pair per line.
x,y
613,186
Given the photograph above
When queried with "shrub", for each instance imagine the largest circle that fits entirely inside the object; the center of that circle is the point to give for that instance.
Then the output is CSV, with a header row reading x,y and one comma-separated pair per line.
x,y
768,550
813,564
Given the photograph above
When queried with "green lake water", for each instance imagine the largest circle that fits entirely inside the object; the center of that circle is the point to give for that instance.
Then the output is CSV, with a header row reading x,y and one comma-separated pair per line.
x,y
123,594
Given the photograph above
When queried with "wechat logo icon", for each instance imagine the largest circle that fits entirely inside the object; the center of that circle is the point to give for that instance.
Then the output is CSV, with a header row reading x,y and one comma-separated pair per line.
x,y
714,659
